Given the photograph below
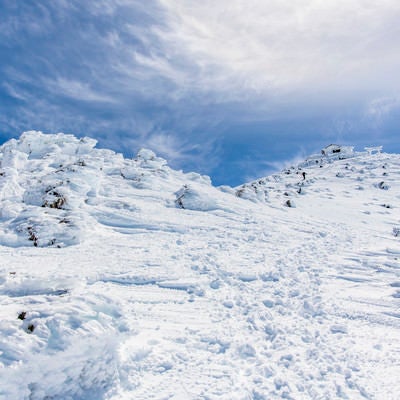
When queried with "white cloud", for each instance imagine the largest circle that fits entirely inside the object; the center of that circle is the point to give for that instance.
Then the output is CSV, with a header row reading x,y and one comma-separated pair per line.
x,y
276,48
378,110
178,150
380,107
283,164
15,92
77,90
260,168
235,50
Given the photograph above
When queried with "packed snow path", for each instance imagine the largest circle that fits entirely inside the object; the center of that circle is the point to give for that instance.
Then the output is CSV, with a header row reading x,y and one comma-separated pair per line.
x,y
225,298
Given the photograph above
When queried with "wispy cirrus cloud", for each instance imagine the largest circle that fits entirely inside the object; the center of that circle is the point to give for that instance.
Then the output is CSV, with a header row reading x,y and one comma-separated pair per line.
x,y
233,51
276,46
77,90
380,107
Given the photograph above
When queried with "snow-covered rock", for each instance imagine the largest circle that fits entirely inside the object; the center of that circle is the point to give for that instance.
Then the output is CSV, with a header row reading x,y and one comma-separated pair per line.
x,y
192,199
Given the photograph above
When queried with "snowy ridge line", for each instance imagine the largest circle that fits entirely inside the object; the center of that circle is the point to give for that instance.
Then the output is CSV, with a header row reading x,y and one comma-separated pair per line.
x,y
51,187
296,180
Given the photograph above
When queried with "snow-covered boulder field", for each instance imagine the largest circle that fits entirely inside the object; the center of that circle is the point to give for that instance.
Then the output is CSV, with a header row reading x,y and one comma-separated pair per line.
x,y
125,279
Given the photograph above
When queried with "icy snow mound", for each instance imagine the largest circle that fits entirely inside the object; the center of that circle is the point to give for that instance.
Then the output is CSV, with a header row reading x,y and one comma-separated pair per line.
x,y
55,188
191,198
43,187
62,337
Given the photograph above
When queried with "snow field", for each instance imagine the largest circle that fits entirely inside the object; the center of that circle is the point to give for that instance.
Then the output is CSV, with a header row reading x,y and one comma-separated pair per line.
x,y
163,286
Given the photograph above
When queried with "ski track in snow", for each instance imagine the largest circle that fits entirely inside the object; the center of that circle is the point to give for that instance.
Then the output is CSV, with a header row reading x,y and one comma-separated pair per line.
x,y
225,298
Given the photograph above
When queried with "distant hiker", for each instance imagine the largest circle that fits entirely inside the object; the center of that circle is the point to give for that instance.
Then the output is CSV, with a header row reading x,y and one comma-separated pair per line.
x,y
304,175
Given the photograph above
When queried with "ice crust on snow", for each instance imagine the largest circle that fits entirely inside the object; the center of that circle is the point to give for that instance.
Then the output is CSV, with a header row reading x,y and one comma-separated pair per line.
x,y
122,278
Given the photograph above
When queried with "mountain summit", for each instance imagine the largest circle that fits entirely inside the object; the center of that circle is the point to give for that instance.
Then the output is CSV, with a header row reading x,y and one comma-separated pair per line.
x,y
123,278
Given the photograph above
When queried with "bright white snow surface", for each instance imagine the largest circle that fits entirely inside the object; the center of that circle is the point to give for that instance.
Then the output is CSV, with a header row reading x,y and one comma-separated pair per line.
x,y
125,279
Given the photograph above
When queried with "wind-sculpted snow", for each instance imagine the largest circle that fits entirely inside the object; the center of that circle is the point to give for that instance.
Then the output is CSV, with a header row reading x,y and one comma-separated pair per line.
x,y
51,186
125,279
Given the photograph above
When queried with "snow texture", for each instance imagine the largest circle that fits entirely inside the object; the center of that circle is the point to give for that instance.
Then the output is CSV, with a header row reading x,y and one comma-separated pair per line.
x,y
124,279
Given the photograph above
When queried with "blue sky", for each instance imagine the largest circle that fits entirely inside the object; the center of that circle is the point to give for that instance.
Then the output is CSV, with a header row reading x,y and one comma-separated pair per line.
x,y
230,88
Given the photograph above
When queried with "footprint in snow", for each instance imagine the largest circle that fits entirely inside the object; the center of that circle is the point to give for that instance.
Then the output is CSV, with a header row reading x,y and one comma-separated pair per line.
x,y
268,303
338,329
396,295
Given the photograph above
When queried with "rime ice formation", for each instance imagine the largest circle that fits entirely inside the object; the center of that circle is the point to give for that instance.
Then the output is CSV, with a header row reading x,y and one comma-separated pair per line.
x,y
124,279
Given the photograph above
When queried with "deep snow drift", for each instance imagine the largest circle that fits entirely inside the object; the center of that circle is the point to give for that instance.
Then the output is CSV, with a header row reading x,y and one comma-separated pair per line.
x,y
125,279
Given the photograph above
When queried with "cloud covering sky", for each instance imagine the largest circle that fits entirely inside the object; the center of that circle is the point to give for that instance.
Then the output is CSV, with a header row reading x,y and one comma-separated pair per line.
x,y
231,88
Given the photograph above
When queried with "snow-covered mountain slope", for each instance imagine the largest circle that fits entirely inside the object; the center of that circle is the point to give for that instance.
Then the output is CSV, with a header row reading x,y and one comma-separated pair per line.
x,y
125,279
